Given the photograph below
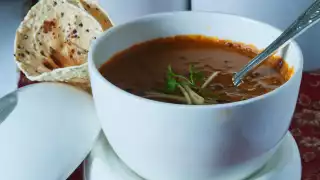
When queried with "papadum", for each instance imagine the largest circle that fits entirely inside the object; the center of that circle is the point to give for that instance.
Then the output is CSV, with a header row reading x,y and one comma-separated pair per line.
x,y
53,40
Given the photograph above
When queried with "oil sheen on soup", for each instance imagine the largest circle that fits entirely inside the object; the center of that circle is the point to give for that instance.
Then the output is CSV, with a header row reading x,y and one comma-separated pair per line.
x,y
192,69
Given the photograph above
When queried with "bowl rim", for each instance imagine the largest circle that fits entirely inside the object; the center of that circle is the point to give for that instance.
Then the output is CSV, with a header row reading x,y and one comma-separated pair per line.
x,y
96,74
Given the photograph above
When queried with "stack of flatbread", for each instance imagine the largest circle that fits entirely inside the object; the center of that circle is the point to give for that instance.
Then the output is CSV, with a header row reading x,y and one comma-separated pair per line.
x,y
53,40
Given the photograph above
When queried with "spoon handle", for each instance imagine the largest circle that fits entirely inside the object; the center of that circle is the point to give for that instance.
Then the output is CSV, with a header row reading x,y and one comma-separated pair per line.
x,y
7,104
310,17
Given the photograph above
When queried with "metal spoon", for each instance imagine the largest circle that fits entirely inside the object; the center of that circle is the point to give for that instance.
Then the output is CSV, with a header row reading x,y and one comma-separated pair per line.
x,y
309,18
7,104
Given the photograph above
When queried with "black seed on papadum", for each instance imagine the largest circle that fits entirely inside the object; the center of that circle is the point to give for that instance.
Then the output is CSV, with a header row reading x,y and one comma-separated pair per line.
x,y
21,55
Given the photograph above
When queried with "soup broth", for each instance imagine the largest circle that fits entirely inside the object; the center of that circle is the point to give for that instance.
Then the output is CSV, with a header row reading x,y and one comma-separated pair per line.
x,y
192,70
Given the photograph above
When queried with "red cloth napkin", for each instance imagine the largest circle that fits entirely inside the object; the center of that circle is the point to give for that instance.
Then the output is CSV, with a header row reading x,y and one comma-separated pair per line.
x,y
305,126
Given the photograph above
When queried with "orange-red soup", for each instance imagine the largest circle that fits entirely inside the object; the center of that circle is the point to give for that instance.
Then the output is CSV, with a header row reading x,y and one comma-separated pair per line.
x,y
143,69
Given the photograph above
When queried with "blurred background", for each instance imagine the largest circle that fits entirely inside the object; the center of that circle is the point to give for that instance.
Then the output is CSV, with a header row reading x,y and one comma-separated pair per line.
x,y
278,13
11,13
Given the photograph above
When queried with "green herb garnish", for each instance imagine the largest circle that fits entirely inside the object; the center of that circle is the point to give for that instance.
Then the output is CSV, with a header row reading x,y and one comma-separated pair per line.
x,y
171,80
174,79
171,74
171,84
190,87
195,76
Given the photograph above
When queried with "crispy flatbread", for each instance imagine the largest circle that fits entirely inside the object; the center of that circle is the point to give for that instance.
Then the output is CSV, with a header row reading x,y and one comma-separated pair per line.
x,y
53,40
97,12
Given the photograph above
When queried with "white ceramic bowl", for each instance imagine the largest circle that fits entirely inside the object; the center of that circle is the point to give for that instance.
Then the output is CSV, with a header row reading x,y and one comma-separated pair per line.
x,y
180,142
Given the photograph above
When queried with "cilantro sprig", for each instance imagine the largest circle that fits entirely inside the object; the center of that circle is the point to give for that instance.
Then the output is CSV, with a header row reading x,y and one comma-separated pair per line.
x,y
173,79
195,76
192,87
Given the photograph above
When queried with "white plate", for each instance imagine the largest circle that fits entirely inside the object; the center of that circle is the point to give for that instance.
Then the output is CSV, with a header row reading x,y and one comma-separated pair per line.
x,y
103,163
48,134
